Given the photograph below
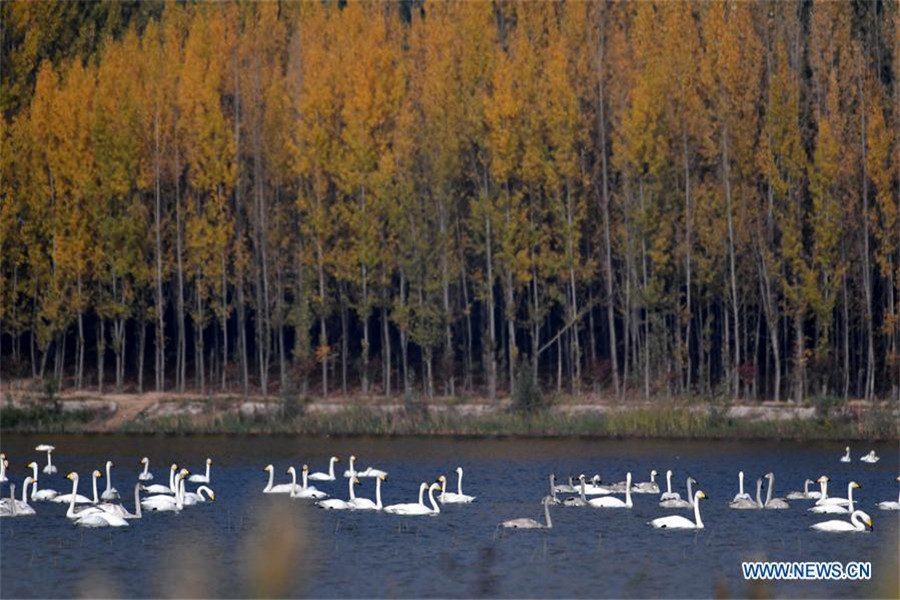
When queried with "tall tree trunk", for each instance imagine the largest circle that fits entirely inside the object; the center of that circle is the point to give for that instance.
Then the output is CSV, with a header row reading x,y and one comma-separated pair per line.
x,y
181,357
726,175
159,367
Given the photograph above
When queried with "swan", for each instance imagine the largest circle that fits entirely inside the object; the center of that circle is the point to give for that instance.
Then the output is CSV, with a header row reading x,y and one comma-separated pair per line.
x,y
3,465
81,511
846,457
94,516
825,499
744,504
110,493
451,497
647,487
595,489
158,488
678,502
669,494
165,502
338,504
870,458
551,497
741,495
202,478
567,487
45,494
368,472
121,511
888,505
329,476
609,502
410,507
365,503
774,503
145,475
10,507
837,509
531,523
679,522
283,488
307,491
48,468
859,521
576,500
805,494
201,494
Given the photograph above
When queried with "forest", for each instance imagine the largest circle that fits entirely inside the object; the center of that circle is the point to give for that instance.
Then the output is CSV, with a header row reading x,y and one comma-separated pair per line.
x,y
626,199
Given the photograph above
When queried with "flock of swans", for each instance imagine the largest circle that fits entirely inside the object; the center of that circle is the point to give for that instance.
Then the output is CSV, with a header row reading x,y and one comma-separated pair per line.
x,y
102,510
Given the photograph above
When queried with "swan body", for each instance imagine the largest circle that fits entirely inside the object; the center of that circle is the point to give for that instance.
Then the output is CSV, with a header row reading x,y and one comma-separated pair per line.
x,y
679,522
10,507
369,472
870,458
283,488
741,495
458,497
578,500
164,502
329,476
837,509
49,468
82,511
157,488
306,491
647,487
100,519
846,457
825,499
567,487
337,504
595,489
118,509
774,503
418,508
36,494
744,504
110,493
678,502
202,478
669,494
859,521
610,502
805,494
365,503
888,505
531,523
145,475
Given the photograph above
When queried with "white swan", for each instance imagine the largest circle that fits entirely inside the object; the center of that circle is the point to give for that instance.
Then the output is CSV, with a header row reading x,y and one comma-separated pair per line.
x,y
338,504
741,495
870,458
567,487
551,497
846,457
202,478
145,475
165,502
365,503
368,472
888,505
36,494
283,488
678,502
745,504
859,521
805,494
451,497
3,464
609,502
81,511
10,507
158,488
110,493
825,499
531,523
410,507
578,500
329,476
837,509
93,516
48,468
669,494
647,487
679,522
306,491
121,511
201,494
774,503
595,489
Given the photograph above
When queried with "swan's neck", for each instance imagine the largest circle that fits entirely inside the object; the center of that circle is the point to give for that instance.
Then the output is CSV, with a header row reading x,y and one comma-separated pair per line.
x,y
669,482
628,502
96,498
806,488
854,520
271,480
547,515
3,470
25,492
378,492
352,466
34,470
108,478
652,477
770,491
824,488
207,470
71,512
137,501
850,496
179,495
49,460
741,482
352,495
459,483
34,487
759,493
434,506
583,491
172,480
422,494
697,520
443,487
293,480
146,468
690,491
305,479
847,454
331,468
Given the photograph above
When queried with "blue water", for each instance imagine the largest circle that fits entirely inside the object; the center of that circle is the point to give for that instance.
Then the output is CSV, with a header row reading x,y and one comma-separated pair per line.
x,y
250,544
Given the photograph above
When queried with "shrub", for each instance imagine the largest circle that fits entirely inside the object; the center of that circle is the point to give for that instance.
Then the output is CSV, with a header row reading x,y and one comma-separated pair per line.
x,y
527,396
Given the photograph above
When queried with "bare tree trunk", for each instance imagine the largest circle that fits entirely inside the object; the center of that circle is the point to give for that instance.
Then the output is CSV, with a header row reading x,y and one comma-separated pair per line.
x,y
181,357
726,171
101,352
490,351
159,367
688,222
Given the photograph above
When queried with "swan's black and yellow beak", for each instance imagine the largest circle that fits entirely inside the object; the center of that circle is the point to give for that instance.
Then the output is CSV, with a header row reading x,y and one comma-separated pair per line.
x,y
338,459
383,477
701,495
70,476
870,524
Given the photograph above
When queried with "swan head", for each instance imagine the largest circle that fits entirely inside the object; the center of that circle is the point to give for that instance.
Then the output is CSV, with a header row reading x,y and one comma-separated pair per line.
x,y
383,476
855,485
110,463
898,477
668,472
582,477
31,465
434,487
808,481
209,461
2,456
823,479
145,460
653,473
96,474
174,467
305,468
441,479
291,469
596,479
692,480
73,476
268,468
356,481
701,495
459,470
864,517
352,457
847,449
770,475
184,473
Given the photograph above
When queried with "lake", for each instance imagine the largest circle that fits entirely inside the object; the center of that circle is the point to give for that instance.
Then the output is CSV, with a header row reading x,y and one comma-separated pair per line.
x,y
251,544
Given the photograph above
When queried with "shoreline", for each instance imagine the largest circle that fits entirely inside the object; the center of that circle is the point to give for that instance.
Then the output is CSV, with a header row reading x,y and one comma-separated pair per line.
x,y
586,417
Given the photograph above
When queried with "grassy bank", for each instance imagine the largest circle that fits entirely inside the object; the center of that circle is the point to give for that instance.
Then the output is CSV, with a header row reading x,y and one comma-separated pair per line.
x,y
638,423
46,418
